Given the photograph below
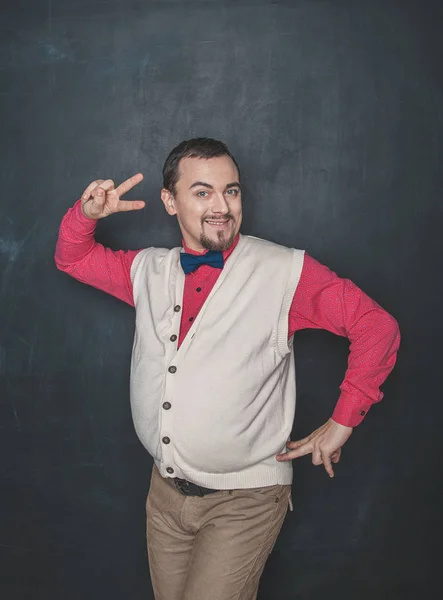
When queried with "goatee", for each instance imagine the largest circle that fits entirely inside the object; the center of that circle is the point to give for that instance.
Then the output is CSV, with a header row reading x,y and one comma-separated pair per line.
x,y
219,245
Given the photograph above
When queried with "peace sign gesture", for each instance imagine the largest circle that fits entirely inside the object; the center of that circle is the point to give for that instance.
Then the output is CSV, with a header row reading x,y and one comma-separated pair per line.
x,y
101,199
325,445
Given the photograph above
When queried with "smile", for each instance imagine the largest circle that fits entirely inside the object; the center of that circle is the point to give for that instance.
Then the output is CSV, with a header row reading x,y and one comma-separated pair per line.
x,y
219,224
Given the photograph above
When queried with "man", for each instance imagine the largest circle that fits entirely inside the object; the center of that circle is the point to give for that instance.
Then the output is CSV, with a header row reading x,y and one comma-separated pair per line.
x,y
212,372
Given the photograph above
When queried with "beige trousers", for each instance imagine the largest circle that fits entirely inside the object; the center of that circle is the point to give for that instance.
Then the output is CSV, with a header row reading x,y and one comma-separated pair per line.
x,y
213,547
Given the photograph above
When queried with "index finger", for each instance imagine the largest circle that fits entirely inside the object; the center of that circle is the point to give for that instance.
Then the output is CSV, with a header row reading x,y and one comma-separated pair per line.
x,y
327,464
129,184
302,450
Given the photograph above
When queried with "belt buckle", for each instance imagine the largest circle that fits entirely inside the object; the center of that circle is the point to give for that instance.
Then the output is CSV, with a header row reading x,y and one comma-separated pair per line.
x,y
187,488
183,486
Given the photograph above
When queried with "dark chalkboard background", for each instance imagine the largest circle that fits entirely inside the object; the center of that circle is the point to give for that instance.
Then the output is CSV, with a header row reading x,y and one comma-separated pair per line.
x,y
334,111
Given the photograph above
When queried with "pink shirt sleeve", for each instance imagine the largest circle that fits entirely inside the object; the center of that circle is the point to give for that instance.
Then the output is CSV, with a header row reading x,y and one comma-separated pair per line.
x,y
322,301
78,254
325,301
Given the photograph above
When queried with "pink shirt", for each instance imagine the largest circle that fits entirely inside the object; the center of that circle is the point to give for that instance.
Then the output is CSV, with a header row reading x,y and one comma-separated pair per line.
x,y
322,301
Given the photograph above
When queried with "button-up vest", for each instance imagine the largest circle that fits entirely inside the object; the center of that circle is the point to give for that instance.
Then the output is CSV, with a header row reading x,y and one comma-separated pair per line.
x,y
217,410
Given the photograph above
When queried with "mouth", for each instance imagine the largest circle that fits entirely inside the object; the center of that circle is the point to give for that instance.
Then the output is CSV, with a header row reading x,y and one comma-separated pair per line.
x,y
218,223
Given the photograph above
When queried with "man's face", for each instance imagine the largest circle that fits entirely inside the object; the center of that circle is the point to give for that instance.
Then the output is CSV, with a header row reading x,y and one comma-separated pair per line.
x,y
207,202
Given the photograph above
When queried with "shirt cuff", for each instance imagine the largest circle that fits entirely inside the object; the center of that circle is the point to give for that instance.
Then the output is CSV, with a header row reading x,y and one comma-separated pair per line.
x,y
351,410
81,218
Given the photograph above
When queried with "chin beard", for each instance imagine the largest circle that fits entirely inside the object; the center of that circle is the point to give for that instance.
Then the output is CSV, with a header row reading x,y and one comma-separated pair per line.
x,y
219,245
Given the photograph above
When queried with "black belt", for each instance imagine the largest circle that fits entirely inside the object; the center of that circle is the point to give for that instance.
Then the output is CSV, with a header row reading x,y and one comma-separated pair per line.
x,y
191,489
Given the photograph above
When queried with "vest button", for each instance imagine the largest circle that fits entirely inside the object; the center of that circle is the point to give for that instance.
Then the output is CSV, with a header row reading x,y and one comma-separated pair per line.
x,y
166,440
199,289
177,308
172,369
166,405
363,412
170,470
173,338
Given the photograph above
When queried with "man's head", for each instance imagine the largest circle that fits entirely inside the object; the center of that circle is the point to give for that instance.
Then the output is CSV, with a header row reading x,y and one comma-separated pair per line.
x,y
201,185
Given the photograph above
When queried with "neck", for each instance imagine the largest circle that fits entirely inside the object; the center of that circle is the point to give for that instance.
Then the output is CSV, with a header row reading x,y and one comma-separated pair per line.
x,y
193,247
198,249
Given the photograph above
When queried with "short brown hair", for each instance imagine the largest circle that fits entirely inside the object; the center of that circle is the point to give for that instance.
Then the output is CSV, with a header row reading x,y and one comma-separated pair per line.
x,y
195,148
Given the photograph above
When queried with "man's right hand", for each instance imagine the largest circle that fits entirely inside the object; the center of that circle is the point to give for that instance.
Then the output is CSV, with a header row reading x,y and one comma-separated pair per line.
x,y
101,199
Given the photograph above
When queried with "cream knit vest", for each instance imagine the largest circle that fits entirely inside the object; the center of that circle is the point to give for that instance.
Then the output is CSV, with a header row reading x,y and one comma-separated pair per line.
x,y
226,399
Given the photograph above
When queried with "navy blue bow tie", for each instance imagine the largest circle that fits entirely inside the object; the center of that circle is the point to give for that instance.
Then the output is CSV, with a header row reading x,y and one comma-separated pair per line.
x,y
191,262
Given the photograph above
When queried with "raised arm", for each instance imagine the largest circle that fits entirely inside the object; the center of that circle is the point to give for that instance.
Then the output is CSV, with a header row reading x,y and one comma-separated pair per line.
x,y
79,255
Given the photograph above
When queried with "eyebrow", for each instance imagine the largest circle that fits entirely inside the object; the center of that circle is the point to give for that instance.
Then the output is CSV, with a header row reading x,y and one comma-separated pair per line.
x,y
210,187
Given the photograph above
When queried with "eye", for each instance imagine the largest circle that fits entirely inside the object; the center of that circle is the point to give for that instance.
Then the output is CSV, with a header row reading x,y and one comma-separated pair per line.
x,y
202,194
233,191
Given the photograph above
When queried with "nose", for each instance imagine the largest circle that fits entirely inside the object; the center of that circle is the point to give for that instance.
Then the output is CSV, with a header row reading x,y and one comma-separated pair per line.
x,y
219,204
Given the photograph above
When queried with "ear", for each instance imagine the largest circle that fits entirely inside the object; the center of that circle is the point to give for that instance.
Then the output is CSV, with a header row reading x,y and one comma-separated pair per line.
x,y
169,201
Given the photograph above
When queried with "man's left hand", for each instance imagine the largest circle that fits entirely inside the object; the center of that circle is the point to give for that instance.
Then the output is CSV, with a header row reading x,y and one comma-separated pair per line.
x,y
325,444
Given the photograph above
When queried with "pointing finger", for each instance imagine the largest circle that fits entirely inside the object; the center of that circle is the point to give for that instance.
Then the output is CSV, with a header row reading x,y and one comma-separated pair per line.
x,y
300,451
129,184
127,205
328,465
